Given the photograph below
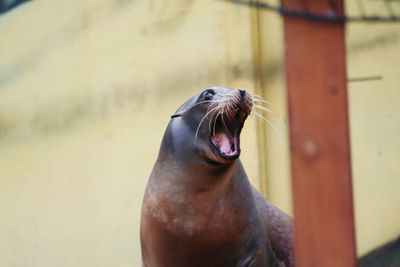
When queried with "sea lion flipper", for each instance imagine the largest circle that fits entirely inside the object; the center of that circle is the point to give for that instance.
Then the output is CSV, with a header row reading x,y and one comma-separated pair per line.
x,y
279,228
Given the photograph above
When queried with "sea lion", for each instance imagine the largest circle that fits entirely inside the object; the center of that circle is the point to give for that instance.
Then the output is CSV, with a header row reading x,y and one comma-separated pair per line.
x,y
199,208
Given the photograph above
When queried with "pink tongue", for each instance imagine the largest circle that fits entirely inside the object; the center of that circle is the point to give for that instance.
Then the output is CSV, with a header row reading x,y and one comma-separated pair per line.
x,y
224,143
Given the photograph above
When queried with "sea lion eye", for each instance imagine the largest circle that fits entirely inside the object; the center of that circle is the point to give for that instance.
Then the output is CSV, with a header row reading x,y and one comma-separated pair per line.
x,y
208,95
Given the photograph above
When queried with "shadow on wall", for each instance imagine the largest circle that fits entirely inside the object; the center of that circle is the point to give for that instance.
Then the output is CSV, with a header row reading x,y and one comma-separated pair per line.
x,y
6,5
387,255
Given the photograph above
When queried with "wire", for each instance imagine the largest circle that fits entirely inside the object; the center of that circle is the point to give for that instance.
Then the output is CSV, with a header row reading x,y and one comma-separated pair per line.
x,y
330,16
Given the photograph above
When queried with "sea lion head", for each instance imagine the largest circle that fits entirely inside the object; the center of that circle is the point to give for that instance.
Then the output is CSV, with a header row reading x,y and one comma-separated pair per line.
x,y
209,124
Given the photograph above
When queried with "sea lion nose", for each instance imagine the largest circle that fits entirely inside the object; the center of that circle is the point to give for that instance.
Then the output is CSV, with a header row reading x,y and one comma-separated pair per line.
x,y
242,92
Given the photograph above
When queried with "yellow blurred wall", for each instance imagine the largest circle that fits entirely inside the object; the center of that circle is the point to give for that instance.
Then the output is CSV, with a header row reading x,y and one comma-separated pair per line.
x,y
373,50
87,88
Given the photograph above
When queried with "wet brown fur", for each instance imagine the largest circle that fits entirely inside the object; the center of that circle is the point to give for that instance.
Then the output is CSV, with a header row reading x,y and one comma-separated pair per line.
x,y
199,214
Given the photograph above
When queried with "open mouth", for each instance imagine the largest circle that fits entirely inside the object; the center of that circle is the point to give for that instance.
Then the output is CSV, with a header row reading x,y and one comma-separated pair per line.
x,y
224,137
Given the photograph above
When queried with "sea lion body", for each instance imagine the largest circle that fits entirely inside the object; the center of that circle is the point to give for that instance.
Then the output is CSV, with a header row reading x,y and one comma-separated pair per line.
x,y
199,208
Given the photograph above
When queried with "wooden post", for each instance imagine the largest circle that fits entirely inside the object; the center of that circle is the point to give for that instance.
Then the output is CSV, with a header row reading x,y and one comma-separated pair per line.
x,y
319,136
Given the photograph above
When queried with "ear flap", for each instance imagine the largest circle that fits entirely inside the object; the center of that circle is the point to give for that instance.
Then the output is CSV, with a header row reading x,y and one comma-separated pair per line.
x,y
176,115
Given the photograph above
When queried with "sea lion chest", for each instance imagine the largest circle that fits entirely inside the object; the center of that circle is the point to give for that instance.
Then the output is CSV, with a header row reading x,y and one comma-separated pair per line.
x,y
209,228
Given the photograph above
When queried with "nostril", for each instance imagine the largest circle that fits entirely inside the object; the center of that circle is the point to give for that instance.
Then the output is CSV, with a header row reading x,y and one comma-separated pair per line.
x,y
242,93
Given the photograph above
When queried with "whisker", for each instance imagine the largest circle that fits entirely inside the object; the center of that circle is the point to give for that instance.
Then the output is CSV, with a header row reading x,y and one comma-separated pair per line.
x,y
224,123
215,122
261,101
198,127
231,106
257,98
229,110
226,101
270,124
212,118
227,94
263,108
236,98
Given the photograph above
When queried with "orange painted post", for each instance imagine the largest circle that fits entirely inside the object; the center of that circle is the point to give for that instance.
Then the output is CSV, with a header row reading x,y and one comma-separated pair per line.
x,y
319,136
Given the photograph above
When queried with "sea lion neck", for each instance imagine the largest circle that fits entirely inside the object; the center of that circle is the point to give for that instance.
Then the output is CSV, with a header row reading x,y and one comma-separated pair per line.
x,y
195,177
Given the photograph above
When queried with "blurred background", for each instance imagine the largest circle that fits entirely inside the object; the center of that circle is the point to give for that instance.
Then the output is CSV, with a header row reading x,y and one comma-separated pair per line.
x,y
86,91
